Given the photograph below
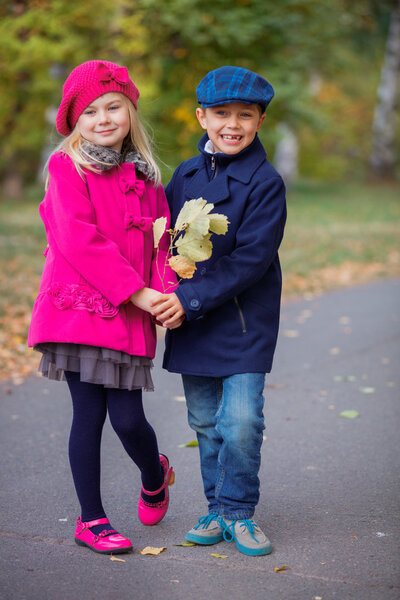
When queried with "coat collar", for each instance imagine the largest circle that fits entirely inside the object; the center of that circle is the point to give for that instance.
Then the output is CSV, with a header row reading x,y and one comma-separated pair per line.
x,y
239,166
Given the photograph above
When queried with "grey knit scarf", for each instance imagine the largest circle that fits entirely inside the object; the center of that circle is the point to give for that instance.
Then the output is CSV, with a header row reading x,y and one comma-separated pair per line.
x,y
105,158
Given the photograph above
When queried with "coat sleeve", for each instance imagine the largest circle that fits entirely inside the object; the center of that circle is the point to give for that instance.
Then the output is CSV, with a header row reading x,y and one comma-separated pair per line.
x,y
70,222
257,241
162,277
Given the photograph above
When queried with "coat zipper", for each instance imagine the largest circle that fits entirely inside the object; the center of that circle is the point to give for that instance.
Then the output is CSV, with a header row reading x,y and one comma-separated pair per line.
x,y
214,167
244,330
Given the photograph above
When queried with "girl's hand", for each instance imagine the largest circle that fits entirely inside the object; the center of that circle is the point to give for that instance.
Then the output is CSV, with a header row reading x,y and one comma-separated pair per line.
x,y
168,310
145,297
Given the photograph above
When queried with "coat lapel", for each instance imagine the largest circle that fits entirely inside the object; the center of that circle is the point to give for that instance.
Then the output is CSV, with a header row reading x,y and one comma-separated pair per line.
x,y
199,186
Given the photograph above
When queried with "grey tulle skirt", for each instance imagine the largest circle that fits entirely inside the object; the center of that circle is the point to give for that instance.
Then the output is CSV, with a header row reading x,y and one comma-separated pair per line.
x,y
110,368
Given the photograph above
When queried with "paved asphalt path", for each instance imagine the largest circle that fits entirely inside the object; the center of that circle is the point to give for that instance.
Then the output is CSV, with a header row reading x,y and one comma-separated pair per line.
x,y
330,485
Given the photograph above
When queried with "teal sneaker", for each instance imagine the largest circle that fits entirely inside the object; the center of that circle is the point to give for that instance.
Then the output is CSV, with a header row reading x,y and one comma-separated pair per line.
x,y
207,532
248,536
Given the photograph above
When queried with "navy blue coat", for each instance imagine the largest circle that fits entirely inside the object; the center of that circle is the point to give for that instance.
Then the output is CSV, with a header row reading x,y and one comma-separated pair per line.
x,y
232,303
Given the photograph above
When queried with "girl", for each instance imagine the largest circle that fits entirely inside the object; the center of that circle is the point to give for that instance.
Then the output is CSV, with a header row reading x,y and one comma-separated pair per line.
x,y
91,320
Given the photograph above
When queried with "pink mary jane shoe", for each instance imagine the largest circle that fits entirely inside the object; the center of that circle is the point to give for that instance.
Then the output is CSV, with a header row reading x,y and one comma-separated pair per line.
x,y
106,542
151,514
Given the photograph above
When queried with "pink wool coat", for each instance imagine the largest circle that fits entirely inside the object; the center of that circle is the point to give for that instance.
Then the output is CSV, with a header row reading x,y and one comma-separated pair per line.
x,y
100,251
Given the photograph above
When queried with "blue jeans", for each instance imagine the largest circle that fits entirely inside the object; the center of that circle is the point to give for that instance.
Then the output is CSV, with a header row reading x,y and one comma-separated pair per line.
x,y
227,415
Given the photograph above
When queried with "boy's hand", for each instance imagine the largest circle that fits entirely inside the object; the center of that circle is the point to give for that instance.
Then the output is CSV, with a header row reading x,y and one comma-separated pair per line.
x,y
168,310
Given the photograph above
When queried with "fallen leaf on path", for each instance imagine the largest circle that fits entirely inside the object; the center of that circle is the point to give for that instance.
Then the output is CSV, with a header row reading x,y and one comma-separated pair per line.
x,y
290,333
367,390
115,559
152,551
185,544
334,351
283,568
349,414
218,555
191,444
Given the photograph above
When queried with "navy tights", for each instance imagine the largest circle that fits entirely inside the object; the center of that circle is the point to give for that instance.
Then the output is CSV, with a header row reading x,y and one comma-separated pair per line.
x,y
125,409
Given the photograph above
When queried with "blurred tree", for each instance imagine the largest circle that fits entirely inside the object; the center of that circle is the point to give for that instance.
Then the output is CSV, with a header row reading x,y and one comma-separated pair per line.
x,y
323,63
282,41
39,40
383,155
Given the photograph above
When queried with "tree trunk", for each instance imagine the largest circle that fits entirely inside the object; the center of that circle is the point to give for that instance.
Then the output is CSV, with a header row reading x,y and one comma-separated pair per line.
x,y
383,155
286,154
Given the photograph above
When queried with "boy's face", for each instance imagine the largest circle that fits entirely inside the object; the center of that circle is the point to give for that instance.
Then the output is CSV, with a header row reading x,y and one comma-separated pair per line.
x,y
231,127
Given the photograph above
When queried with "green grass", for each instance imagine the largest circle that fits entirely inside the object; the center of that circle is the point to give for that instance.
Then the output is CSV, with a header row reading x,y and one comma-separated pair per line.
x,y
332,224
328,225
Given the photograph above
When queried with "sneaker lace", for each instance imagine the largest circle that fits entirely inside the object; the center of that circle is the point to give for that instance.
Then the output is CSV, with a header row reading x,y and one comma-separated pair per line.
x,y
205,521
229,530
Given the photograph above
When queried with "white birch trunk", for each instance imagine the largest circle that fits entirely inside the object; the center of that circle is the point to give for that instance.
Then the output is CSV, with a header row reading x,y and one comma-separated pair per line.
x,y
383,154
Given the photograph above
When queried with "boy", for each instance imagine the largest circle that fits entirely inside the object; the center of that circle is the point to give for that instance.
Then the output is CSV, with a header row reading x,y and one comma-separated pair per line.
x,y
226,343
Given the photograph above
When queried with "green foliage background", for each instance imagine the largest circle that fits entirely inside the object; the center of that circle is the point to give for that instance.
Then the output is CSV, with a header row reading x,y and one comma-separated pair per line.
x,y
323,58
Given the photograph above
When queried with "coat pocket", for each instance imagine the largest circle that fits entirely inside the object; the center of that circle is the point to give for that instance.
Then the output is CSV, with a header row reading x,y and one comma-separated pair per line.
x,y
241,315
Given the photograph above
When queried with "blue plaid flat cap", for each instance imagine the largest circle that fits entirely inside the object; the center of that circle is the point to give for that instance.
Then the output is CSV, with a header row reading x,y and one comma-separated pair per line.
x,y
234,84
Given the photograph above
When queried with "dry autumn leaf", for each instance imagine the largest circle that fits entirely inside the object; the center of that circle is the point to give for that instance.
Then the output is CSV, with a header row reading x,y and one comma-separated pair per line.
x,y
184,267
283,568
115,559
290,333
218,555
159,226
185,544
150,550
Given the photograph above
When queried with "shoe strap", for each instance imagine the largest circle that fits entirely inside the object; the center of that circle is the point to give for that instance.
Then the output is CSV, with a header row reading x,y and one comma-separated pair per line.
x,y
89,524
106,533
160,489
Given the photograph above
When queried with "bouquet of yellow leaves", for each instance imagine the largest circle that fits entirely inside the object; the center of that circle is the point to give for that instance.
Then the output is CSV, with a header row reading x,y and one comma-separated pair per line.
x,y
190,238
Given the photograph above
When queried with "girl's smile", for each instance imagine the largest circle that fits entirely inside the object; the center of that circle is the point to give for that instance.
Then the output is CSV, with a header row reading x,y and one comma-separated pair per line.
x,y
231,127
105,121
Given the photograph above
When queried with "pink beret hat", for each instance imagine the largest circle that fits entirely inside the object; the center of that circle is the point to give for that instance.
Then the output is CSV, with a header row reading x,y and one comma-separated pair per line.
x,y
87,82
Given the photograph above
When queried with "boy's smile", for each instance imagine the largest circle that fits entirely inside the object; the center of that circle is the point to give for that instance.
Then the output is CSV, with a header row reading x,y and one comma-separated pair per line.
x,y
231,127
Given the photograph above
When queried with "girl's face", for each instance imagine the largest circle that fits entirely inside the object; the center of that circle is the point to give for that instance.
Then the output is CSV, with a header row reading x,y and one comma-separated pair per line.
x,y
105,121
231,127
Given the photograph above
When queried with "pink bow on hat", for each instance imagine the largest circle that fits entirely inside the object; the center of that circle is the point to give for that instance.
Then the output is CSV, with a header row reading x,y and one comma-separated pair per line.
x,y
118,74
142,223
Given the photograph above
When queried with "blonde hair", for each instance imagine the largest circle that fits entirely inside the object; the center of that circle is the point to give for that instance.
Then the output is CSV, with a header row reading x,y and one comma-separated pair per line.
x,y
137,137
